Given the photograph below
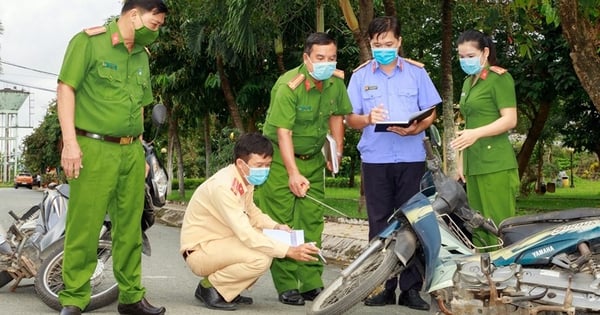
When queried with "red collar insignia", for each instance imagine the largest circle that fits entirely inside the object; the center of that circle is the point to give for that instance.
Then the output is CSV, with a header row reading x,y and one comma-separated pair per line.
x,y
115,38
237,187
483,74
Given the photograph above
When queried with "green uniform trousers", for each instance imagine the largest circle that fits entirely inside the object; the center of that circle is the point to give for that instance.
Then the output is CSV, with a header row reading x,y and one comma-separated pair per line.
x,y
111,181
276,200
494,195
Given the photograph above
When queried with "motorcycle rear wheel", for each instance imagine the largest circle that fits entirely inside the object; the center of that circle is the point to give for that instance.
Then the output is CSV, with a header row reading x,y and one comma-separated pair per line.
x,y
48,281
343,293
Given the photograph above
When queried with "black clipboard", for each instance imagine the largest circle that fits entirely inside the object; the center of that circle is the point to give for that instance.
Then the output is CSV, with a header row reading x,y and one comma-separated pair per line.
x,y
382,126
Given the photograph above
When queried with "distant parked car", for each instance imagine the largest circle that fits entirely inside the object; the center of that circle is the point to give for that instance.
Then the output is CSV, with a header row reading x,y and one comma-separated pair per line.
x,y
24,179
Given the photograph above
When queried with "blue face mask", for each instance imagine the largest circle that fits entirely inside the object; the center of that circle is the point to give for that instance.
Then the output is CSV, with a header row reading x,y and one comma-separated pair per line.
x,y
322,70
385,56
257,175
471,65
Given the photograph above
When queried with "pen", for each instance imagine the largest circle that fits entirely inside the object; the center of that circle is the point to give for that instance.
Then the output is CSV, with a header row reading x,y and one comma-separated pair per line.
x,y
320,254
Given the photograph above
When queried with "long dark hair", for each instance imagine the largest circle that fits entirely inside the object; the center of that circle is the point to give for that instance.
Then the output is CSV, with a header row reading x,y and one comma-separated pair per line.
x,y
482,41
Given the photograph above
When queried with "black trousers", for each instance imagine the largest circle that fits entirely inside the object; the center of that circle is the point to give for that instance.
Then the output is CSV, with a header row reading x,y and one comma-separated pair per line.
x,y
387,186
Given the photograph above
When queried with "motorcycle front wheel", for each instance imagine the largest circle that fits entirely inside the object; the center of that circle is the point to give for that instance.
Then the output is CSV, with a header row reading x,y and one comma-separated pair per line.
x,y
344,293
48,281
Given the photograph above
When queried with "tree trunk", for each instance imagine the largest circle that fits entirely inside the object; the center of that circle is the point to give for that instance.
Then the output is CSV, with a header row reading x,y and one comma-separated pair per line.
x,y
207,146
582,37
320,22
180,177
229,98
389,7
447,90
537,125
357,28
279,53
173,123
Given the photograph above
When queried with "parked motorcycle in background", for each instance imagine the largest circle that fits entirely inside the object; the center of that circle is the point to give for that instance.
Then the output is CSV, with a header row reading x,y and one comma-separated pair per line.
x,y
33,246
550,263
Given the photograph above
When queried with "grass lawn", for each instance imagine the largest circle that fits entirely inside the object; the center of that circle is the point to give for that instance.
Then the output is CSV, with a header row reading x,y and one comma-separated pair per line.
x,y
584,194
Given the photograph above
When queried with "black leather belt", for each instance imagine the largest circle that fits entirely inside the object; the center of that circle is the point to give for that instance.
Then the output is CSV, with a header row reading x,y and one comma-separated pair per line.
x,y
304,157
186,253
119,140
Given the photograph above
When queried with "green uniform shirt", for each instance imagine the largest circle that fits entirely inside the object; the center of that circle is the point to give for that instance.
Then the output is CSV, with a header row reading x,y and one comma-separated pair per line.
x,y
305,110
480,105
111,84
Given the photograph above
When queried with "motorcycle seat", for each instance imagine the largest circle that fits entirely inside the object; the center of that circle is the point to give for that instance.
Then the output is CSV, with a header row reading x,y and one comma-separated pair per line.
x,y
554,216
514,229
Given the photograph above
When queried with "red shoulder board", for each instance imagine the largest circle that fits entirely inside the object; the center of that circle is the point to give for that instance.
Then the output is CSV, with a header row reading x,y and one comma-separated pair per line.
x,y
498,70
362,65
293,83
339,73
95,30
415,63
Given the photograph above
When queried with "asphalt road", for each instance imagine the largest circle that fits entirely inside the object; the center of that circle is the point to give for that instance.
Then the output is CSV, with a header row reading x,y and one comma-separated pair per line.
x,y
165,275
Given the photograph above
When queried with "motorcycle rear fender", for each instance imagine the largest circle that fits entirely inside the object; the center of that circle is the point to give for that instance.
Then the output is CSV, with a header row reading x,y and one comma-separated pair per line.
x,y
406,244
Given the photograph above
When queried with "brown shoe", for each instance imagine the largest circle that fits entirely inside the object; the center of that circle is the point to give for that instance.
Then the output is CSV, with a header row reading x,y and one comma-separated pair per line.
x,y
140,308
70,310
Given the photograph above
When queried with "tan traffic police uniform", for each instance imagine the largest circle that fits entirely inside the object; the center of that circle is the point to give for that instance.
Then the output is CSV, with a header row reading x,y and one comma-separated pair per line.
x,y
221,235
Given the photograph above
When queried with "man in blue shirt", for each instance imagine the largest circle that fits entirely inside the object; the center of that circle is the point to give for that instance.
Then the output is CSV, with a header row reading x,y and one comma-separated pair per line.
x,y
391,88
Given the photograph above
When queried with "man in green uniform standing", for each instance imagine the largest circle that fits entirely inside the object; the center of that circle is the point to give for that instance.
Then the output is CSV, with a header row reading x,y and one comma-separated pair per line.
x,y
102,88
306,103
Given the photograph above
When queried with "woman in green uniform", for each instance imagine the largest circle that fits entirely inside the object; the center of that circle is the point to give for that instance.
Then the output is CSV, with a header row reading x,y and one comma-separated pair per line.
x,y
486,159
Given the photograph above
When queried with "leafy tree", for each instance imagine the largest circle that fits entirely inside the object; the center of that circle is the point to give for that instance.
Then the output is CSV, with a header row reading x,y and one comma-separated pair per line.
x,y
42,147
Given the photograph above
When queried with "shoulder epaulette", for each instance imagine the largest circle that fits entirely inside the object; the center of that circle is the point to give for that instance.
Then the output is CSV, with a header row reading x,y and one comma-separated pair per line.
x,y
415,63
362,65
498,70
92,31
294,82
338,73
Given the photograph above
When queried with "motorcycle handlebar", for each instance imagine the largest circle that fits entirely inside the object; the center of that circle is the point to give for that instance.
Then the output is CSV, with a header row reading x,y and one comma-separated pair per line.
x,y
487,224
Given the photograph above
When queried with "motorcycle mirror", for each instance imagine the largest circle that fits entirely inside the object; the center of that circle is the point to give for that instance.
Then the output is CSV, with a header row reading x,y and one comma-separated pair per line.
x,y
159,114
434,136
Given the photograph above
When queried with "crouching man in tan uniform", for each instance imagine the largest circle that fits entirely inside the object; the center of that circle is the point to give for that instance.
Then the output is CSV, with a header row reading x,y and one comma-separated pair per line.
x,y
221,235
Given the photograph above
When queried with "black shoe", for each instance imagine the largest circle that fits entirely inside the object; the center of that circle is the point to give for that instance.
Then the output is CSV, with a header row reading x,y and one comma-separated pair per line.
x,y
213,299
70,310
412,299
382,298
140,308
312,294
291,297
240,299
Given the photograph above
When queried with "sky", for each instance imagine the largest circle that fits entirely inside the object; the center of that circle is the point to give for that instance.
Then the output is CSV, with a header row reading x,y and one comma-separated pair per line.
x,y
36,34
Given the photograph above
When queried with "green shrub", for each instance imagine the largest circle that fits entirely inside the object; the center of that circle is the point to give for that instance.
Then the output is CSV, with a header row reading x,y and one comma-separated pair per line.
x,y
341,182
188,183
